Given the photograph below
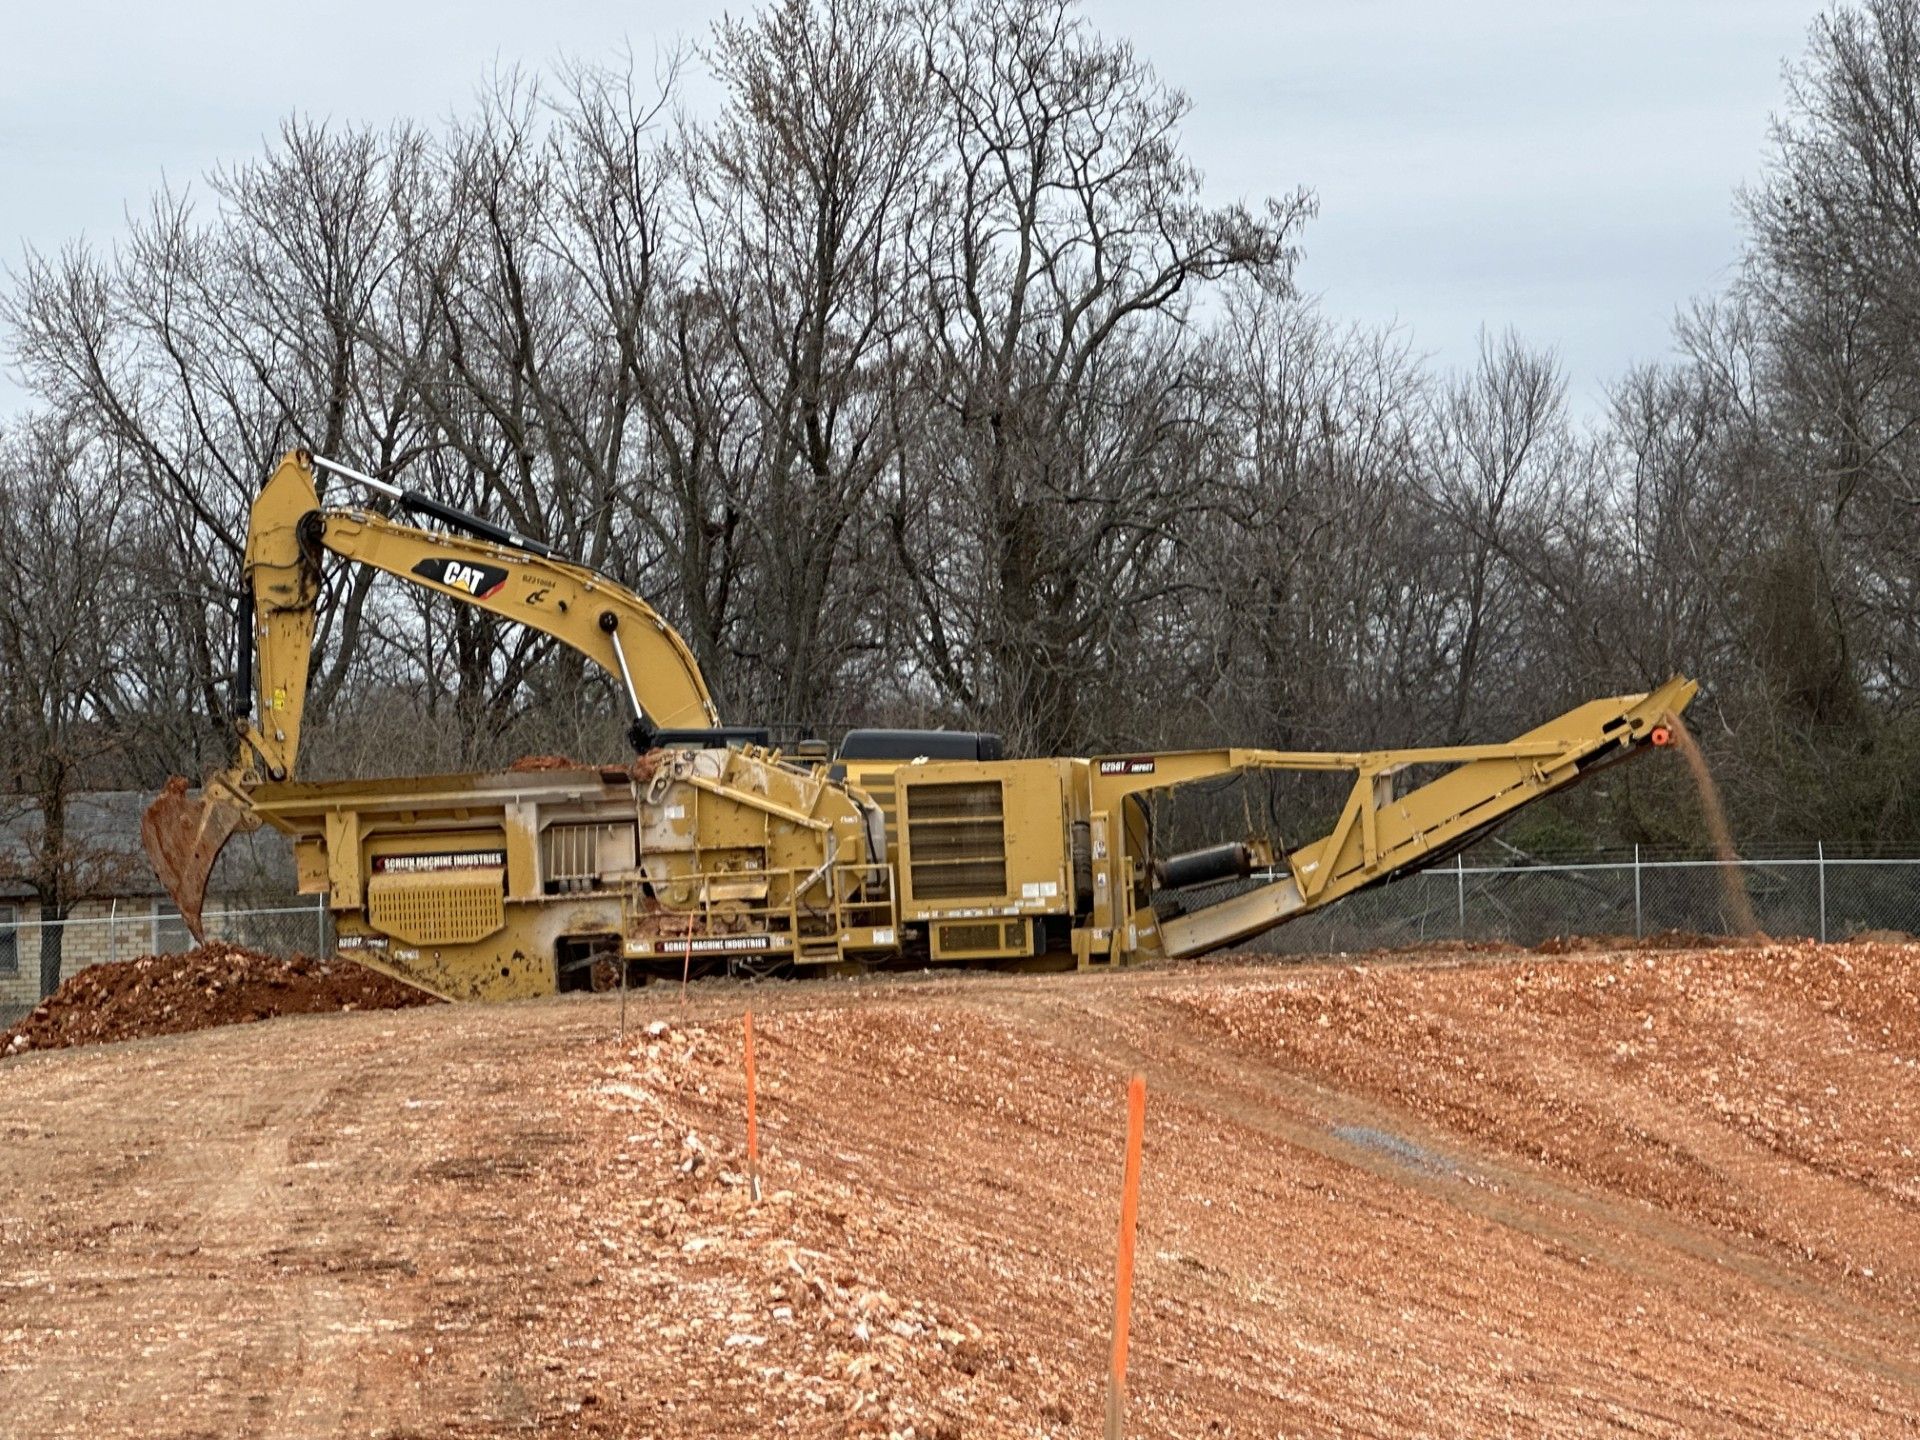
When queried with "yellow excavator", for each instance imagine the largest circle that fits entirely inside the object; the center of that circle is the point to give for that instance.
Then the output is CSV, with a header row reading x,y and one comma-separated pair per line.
x,y
715,847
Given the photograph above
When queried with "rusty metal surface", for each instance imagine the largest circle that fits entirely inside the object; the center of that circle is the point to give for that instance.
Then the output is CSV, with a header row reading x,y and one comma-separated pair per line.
x,y
184,835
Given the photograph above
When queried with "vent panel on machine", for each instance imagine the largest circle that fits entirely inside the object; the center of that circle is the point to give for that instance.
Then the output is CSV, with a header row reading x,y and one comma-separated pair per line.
x,y
578,856
448,910
957,840
982,937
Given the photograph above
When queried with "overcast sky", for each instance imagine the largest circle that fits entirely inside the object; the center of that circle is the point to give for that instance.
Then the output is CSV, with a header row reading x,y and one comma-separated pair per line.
x,y
1564,167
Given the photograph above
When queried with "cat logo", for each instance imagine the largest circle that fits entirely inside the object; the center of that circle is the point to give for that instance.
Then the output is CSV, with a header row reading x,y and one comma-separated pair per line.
x,y
479,581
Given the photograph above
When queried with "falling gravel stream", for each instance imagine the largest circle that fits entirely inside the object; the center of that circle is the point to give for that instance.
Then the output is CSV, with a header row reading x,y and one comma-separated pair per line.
x,y
1732,880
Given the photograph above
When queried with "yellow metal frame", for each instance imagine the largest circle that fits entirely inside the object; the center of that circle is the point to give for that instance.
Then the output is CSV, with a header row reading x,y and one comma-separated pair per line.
x,y
1378,835
844,925
287,530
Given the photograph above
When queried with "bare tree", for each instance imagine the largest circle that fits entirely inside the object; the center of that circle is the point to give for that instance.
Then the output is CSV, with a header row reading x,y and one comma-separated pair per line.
x,y
1068,238
1501,454
1318,546
203,348
64,594
804,196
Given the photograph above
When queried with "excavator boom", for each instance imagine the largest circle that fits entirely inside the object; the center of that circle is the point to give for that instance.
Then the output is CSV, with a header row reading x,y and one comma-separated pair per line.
x,y
520,580
515,579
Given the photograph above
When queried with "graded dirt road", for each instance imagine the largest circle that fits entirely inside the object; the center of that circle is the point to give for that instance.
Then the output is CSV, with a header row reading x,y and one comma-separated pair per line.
x,y
1668,1194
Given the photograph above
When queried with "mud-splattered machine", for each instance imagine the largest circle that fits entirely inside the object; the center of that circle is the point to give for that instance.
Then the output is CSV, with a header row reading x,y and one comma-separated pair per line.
x,y
714,846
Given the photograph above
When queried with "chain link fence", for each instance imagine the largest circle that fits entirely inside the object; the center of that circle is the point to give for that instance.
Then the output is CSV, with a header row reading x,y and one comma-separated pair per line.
x,y
1524,901
284,928
1814,895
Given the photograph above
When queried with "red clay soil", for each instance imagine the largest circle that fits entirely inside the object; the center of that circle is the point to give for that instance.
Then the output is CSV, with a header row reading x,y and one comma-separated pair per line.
x,y
216,984
1667,1194
1769,1092
534,764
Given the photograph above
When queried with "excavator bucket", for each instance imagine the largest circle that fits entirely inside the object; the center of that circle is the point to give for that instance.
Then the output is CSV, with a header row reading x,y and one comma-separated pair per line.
x,y
184,836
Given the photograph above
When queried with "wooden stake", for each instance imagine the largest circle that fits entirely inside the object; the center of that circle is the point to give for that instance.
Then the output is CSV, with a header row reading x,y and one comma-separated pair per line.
x,y
1123,1269
753,1128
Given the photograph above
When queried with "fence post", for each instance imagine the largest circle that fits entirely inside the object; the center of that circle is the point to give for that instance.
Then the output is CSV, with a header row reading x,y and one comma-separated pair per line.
x,y
113,931
1638,924
1460,881
1821,854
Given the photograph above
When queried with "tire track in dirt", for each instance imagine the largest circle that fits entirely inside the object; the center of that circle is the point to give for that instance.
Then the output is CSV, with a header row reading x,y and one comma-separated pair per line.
x,y
324,1386
1186,1065
238,1169
261,1316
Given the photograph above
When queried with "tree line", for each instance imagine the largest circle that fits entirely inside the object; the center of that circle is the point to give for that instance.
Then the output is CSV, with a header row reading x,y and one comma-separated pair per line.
x,y
922,384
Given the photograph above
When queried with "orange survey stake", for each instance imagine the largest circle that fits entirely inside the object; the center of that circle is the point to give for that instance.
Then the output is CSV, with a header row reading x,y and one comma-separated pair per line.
x,y
1123,1277
753,1127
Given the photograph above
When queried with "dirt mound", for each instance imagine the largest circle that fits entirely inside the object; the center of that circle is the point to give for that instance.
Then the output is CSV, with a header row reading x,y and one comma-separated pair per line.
x,y
217,984
534,764
1760,1089
1438,948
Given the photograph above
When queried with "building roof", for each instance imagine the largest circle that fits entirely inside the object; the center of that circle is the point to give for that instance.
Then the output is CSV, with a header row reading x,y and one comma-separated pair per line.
x,y
103,832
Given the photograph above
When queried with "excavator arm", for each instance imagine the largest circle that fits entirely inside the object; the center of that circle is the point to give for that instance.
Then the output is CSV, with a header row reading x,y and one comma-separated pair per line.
x,y
515,578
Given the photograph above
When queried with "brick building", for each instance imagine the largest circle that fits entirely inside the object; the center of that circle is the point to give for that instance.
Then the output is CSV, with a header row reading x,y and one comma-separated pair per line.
x,y
125,912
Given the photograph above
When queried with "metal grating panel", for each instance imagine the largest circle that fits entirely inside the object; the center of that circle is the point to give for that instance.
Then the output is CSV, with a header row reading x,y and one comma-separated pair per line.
x,y
448,910
969,937
956,840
